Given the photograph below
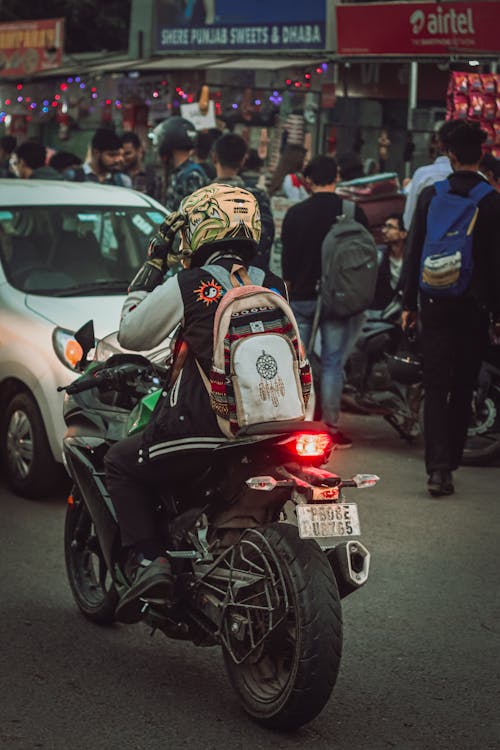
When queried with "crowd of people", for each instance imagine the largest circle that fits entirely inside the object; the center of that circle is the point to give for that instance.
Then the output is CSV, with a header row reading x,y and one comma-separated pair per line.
x,y
453,331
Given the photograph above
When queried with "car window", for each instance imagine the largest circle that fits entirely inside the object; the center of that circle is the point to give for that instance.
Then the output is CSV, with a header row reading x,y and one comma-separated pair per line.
x,y
64,250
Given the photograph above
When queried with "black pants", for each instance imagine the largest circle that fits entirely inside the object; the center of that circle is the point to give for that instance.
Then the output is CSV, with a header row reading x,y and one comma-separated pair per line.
x,y
454,337
136,483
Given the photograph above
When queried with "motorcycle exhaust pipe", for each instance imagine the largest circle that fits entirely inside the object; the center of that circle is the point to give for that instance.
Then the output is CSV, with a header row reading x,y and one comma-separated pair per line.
x,y
350,562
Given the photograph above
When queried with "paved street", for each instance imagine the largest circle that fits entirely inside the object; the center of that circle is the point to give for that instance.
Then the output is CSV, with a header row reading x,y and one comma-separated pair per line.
x,y
421,650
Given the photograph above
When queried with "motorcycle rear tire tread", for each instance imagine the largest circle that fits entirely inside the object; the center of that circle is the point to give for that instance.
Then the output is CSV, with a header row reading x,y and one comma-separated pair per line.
x,y
315,592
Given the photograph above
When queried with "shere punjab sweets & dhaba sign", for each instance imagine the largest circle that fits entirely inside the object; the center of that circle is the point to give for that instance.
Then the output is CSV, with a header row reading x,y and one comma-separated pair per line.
x,y
418,28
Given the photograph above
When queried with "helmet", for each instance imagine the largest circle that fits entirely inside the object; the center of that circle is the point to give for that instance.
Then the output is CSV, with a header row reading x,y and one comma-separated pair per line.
x,y
176,133
405,366
219,213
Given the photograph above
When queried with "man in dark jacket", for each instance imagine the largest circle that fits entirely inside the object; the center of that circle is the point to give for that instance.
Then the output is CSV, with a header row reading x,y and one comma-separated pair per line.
x,y
220,226
454,329
229,152
304,228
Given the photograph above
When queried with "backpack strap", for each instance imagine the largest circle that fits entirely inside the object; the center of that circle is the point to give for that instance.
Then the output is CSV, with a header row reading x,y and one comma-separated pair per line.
x,y
229,279
348,209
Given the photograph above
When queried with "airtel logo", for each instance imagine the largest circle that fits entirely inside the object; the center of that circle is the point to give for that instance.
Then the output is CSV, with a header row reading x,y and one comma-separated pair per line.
x,y
443,22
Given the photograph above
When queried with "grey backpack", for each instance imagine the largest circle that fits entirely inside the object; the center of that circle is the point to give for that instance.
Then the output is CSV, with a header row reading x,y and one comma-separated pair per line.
x,y
349,267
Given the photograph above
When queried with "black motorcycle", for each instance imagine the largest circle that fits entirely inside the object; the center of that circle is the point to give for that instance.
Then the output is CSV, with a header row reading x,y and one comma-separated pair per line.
x,y
262,543
384,374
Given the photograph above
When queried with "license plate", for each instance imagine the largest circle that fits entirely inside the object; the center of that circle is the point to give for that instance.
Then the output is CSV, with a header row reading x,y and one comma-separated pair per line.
x,y
332,519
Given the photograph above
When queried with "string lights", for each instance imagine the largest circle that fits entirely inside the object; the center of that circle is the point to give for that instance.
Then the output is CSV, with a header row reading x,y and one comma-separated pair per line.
x,y
75,91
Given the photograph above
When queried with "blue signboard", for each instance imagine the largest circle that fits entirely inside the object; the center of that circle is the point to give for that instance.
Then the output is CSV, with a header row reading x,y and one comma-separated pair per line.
x,y
227,25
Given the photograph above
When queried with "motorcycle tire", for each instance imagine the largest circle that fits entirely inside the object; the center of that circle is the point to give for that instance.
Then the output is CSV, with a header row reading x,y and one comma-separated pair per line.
x,y
481,450
88,576
288,679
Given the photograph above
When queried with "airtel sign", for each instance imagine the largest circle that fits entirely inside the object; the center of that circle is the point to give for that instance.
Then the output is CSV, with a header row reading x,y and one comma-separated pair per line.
x,y
417,28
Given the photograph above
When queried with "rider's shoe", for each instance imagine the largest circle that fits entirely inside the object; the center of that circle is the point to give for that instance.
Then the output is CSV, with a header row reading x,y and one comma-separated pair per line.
x,y
150,581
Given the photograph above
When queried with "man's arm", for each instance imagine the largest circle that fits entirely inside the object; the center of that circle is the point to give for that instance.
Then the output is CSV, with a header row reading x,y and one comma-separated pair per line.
x,y
147,318
411,266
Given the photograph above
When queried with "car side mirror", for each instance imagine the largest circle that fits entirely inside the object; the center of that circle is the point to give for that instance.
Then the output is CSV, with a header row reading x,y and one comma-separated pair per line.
x,y
86,338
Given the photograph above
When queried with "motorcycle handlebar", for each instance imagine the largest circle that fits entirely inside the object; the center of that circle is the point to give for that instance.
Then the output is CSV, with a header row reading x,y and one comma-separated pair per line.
x,y
109,377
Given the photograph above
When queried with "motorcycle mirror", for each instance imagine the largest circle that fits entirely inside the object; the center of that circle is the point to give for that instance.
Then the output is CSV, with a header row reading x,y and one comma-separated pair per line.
x,y
86,338
365,480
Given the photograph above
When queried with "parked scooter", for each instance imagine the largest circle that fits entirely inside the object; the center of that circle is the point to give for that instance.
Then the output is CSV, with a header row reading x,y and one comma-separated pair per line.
x,y
263,545
384,373
483,440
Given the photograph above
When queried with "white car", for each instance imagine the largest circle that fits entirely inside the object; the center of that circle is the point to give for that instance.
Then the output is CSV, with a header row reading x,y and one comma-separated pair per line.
x,y
68,252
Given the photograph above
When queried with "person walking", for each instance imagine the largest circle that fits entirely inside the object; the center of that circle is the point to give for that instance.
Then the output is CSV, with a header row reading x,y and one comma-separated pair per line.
x,y
29,162
430,173
176,140
143,177
288,178
455,317
105,161
229,153
304,228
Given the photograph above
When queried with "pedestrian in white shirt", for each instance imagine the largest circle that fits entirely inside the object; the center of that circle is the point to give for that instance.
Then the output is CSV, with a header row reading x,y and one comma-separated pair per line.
x,y
430,173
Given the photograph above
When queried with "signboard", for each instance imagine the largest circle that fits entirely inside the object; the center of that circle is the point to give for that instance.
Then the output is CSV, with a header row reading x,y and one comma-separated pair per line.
x,y
28,47
417,28
226,25
201,121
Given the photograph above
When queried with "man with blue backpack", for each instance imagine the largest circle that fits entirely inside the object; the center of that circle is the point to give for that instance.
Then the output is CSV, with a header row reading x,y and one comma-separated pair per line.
x,y
452,276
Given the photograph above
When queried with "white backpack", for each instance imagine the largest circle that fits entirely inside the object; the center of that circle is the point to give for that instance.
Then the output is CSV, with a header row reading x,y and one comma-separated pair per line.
x,y
259,371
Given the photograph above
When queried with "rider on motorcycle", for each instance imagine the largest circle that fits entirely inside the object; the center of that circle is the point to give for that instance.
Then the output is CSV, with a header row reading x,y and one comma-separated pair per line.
x,y
219,225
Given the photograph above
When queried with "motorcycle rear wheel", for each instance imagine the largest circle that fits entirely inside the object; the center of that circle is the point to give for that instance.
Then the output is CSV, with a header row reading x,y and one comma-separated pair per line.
x,y
91,584
288,679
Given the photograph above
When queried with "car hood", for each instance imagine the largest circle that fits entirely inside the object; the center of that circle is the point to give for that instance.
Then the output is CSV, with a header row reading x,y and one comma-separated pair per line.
x,y
73,312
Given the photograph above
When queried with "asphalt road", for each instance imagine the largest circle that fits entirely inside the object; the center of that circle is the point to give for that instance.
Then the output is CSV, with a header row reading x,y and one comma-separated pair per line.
x,y
421,659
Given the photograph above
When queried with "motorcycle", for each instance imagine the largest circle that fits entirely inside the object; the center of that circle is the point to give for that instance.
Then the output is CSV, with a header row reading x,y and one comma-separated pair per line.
x,y
483,436
261,555
383,379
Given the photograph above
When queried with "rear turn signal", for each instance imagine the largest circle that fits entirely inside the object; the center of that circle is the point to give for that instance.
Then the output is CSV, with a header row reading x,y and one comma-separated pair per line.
x,y
313,444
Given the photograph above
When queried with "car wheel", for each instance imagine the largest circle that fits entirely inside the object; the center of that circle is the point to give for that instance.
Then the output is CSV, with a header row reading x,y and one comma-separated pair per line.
x,y
28,463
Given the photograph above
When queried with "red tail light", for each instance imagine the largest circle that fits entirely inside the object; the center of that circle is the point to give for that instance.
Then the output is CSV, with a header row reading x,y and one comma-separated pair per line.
x,y
310,445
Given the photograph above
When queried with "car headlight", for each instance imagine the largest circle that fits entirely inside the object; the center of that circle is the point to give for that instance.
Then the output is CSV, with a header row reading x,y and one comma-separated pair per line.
x,y
67,347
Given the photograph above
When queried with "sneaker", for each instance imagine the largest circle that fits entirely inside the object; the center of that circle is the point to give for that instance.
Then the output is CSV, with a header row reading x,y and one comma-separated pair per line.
x,y
149,581
340,439
440,483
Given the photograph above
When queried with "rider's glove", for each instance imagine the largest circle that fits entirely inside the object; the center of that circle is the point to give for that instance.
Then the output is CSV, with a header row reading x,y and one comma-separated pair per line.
x,y
152,272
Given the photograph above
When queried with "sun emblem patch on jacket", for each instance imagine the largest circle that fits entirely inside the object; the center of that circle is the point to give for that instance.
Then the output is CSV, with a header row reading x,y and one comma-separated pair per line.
x,y
208,292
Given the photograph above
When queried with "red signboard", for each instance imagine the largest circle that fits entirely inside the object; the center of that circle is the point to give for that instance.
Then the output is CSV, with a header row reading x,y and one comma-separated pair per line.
x,y
27,47
418,28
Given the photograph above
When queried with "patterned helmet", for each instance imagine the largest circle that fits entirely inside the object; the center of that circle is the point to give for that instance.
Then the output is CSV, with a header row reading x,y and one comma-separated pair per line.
x,y
219,213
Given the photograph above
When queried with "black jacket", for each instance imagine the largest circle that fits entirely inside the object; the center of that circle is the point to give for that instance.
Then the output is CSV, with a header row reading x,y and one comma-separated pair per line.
x,y
304,228
184,417
485,285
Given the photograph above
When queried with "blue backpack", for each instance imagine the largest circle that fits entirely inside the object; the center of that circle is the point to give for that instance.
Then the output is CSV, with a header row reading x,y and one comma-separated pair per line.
x,y
447,263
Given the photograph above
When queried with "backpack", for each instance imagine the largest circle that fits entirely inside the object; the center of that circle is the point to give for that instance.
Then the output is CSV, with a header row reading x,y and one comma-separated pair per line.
x,y
259,372
446,264
349,267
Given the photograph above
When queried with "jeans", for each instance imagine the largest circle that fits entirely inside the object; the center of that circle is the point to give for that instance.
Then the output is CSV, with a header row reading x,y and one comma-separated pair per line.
x,y
337,342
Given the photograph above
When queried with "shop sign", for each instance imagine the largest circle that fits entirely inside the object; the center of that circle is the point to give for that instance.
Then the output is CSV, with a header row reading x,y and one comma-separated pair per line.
x,y
226,26
28,47
417,28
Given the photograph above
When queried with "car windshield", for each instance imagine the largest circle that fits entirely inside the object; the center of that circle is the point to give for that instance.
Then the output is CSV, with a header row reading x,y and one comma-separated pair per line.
x,y
72,251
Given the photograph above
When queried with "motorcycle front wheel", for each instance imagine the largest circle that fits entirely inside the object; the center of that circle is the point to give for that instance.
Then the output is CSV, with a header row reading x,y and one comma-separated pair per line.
x,y
88,576
283,635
